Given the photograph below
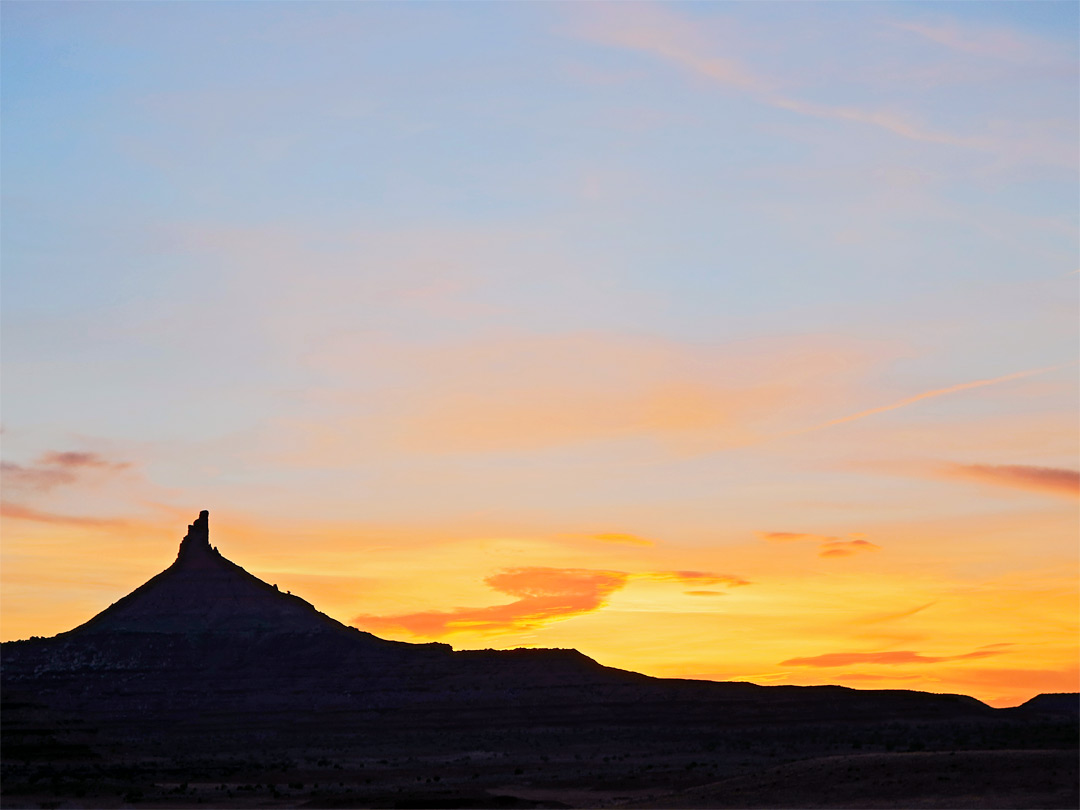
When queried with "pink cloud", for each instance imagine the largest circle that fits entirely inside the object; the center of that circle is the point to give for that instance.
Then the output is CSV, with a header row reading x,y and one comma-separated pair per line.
x,y
845,548
54,469
998,43
14,511
653,30
1052,480
706,49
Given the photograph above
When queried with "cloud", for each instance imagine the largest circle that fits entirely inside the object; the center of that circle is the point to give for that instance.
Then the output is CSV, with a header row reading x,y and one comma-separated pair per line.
x,y
619,537
705,593
845,548
786,536
937,392
589,387
893,122
40,479
545,595
14,511
692,46
888,617
1052,480
998,43
54,469
696,578
830,546
871,676
70,459
650,29
896,657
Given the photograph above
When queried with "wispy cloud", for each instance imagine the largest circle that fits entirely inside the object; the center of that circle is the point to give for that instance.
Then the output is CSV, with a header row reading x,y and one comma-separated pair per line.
x,y
55,468
75,459
892,121
649,28
895,657
845,548
620,537
830,546
893,616
700,50
589,387
937,392
1052,480
788,536
696,577
14,511
997,43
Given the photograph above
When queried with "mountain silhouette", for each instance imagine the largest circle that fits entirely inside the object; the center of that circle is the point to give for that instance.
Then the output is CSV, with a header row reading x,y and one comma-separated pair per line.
x,y
205,632
202,592
206,671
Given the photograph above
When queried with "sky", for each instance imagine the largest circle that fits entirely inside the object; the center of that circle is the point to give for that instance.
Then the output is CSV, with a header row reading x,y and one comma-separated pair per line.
x,y
716,340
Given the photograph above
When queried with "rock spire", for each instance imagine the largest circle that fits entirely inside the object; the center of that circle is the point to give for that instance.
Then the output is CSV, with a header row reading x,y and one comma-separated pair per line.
x,y
198,535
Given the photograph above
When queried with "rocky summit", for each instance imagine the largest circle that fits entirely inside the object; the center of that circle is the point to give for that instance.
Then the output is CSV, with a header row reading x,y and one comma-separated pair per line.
x,y
207,685
202,592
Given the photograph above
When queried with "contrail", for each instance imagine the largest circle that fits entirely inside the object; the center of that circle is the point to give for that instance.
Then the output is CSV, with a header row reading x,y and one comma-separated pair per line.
x,y
937,392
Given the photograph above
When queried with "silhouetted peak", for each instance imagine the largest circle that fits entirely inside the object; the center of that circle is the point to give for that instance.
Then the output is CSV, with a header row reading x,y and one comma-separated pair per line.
x,y
204,592
197,538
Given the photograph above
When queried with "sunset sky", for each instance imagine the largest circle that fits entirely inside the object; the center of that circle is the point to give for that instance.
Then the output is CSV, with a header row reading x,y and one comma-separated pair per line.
x,y
716,340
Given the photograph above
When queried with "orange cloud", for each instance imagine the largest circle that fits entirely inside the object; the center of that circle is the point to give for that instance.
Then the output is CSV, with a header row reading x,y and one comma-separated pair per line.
x,y
696,578
845,548
896,657
1053,480
704,593
546,595
14,511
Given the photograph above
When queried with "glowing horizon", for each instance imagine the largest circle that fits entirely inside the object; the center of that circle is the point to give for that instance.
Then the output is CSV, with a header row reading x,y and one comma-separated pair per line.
x,y
722,340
